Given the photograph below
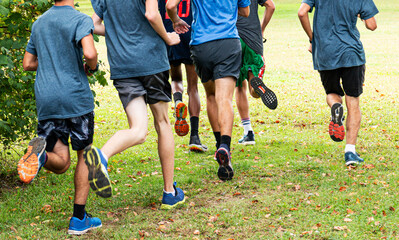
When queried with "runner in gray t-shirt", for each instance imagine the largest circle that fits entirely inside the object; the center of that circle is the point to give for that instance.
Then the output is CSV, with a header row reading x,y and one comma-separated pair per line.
x,y
253,66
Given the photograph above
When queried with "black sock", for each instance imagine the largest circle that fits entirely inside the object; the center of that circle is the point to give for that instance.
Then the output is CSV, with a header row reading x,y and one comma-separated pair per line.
x,y
178,96
225,140
217,137
194,126
79,211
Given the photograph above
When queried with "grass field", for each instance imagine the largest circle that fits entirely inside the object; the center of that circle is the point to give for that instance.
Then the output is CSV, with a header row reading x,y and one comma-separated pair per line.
x,y
292,184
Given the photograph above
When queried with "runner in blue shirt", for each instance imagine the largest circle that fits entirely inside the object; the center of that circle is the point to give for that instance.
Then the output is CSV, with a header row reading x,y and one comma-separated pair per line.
x,y
216,51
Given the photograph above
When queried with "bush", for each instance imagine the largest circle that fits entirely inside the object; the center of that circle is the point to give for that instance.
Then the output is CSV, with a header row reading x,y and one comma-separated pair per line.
x,y
17,102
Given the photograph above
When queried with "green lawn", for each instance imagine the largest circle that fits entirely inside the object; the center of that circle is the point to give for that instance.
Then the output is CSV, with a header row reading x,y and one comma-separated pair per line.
x,y
293,183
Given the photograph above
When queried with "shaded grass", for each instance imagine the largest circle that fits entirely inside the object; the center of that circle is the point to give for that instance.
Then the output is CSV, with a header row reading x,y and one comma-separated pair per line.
x,y
292,183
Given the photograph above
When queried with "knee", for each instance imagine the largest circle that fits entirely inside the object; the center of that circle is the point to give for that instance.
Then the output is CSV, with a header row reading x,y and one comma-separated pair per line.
x,y
63,170
140,134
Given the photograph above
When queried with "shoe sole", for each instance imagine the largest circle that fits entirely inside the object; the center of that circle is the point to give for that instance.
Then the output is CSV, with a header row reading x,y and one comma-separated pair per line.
x,y
197,148
168,207
225,171
268,97
98,179
247,143
353,163
28,165
181,125
336,129
76,232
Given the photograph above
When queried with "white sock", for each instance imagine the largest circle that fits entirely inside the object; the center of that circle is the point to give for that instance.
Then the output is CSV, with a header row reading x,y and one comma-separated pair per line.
x,y
350,148
247,125
173,193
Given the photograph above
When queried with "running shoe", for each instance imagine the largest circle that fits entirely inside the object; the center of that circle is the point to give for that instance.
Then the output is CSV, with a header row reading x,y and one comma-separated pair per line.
x,y
353,159
248,139
196,145
169,201
268,97
98,172
225,171
34,159
79,227
336,128
181,125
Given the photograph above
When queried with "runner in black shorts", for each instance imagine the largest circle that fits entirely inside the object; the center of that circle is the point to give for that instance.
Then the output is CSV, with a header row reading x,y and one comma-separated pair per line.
x,y
178,55
338,54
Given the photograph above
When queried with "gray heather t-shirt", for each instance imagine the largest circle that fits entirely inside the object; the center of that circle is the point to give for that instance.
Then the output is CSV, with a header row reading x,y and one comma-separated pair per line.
x,y
61,87
336,39
249,28
134,48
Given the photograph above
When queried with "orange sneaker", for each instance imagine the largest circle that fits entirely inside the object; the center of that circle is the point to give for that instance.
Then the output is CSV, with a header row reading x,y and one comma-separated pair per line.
x,y
181,125
31,163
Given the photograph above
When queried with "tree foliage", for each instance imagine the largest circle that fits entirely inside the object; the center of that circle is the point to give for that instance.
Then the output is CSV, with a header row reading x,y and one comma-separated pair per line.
x,y
17,101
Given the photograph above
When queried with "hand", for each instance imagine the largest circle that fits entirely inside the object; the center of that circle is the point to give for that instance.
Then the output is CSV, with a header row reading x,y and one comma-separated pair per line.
x,y
86,68
174,38
310,48
180,26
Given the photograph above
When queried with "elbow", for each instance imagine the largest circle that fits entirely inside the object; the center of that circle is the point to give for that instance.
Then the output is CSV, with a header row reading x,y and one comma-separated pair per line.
x,y
27,66
372,28
90,55
301,14
151,16
170,6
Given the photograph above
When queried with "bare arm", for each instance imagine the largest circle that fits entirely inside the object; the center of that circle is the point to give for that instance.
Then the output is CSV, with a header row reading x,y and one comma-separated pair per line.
x,y
304,18
243,11
179,25
154,17
30,62
371,24
99,27
89,51
270,7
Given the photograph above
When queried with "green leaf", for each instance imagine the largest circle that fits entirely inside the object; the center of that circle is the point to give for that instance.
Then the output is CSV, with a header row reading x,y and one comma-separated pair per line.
x,y
3,60
3,11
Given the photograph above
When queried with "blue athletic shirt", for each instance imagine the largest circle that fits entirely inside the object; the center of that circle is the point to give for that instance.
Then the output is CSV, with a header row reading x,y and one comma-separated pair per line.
x,y
216,19
182,50
336,39
61,87
134,48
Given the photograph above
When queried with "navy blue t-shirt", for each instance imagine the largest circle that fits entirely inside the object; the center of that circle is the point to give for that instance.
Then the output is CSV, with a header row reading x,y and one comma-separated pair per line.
x,y
134,48
336,39
61,87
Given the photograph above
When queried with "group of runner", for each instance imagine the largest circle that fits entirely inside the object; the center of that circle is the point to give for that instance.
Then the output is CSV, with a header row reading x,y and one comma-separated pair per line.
x,y
221,42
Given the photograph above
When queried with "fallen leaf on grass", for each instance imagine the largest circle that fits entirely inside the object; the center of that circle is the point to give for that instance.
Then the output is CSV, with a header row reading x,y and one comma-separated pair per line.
x,y
339,228
13,229
196,232
384,213
236,194
293,209
341,189
392,209
213,218
347,220
349,211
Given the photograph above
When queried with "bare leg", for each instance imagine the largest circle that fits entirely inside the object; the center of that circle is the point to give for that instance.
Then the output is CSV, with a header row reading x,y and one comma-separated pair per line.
x,y
242,100
211,106
353,120
251,90
59,160
166,145
177,79
224,90
136,112
194,103
333,98
81,180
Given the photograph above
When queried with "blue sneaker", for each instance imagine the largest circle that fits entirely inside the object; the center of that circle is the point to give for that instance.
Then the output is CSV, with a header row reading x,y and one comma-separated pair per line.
x,y
34,159
353,159
79,227
169,201
225,171
98,173
248,139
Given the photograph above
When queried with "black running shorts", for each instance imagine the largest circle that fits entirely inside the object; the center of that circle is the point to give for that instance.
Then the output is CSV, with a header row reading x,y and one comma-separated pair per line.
x,y
217,59
352,80
154,88
79,129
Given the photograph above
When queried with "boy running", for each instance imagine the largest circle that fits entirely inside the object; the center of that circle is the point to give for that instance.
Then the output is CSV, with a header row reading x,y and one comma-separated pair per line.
x,y
216,51
251,32
135,38
64,101
338,54
178,55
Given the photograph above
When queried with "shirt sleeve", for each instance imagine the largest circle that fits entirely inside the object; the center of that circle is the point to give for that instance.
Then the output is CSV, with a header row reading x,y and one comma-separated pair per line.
x,y
262,2
368,10
311,3
244,3
30,48
98,7
84,28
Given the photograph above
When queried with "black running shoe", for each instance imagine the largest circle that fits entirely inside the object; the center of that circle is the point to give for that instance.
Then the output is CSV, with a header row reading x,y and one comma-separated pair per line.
x,y
336,128
269,98
225,171
196,145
